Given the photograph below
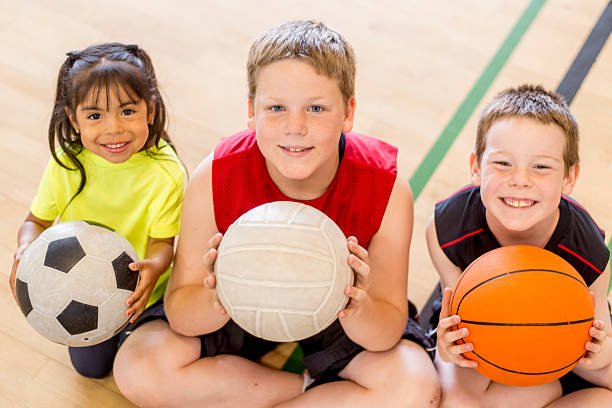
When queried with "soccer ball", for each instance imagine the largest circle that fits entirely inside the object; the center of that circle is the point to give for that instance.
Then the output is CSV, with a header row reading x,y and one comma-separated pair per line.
x,y
72,283
281,271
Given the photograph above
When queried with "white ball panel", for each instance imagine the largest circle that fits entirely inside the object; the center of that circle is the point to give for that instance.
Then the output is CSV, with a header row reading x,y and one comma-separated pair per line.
x,y
289,267
49,292
111,314
297,238
33,256
104,243
92,280
48,326
89,338
63,230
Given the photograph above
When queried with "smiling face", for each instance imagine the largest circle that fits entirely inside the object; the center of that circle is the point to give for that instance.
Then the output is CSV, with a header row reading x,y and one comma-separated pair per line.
x,y
113,126
299,115
521,175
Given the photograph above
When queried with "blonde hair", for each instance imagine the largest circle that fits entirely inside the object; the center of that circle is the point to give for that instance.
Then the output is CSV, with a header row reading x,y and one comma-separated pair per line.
x,y
535,102
308,41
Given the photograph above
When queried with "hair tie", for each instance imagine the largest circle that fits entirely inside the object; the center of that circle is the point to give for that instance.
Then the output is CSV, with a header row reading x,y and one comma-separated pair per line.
x,y
73,56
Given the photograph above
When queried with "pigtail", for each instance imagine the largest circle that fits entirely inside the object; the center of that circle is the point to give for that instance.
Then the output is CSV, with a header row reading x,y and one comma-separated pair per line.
x,y
158,128
61,133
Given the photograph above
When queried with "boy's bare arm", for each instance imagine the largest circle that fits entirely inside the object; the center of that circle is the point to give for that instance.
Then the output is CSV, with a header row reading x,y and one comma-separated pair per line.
x,y
596,366
449,272
380,321
189,304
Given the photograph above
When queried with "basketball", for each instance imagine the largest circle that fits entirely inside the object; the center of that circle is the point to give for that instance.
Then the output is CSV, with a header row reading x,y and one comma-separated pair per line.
x,y
72,283
281,271
528,313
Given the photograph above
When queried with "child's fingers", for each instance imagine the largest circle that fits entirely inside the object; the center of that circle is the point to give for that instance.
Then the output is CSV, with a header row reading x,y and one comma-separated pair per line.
x,y
210,281
209,258
141,265
446,300
447,322
454,335
592,347
361,269
356,249
215,240
219,307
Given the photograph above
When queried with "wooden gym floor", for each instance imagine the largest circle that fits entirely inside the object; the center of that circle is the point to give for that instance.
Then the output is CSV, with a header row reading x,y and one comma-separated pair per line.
x,y
417,63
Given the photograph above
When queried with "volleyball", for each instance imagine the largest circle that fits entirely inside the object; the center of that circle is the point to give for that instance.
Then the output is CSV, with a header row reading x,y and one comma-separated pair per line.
x,y
281,271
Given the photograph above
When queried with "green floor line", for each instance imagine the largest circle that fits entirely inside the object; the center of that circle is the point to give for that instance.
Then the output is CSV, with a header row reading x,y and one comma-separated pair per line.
x,y
448,136
453,128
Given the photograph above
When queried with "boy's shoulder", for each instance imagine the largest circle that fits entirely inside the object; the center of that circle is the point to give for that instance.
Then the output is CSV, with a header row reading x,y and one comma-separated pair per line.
x,y
371,152
579,239
240,142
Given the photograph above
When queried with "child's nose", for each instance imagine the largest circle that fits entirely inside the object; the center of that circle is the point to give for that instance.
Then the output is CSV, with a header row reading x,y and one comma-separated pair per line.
x,y
296,124
521,178
113,125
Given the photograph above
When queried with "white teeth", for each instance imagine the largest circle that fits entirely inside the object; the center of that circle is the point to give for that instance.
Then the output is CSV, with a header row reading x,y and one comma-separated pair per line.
x,y
293,149
519,203
115,146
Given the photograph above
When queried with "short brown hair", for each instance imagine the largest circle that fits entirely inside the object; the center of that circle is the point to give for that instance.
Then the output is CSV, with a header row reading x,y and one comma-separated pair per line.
x,y
309,41
535,102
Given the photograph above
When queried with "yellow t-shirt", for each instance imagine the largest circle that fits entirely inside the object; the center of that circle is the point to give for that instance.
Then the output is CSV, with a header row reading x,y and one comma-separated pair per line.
x,y
139,198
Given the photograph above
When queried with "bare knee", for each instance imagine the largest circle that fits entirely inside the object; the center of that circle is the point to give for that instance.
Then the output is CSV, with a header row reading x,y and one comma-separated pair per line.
x,y
415,382
147,364
138,377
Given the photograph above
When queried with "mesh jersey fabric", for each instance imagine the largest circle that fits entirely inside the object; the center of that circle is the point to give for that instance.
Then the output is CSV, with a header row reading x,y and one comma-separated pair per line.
x,y
356,199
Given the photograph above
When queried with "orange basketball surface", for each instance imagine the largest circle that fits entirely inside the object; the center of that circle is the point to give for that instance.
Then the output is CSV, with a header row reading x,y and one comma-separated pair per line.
x,y
528,313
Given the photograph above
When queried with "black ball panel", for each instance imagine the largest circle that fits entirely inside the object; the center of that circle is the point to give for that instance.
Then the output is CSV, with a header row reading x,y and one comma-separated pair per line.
x,y
79,318
23,297
62,254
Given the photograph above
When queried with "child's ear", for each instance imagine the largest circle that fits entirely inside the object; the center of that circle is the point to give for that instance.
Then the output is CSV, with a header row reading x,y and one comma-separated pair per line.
x,y
72,120
570,180
474,169
349,115
151,110
251,119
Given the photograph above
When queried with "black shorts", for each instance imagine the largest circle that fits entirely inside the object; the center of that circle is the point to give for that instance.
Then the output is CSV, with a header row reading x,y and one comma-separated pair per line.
x,y
325,354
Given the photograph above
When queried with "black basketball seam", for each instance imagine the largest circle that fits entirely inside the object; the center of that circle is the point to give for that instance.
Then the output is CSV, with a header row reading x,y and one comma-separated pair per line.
x,y
526,373
513,272
528,324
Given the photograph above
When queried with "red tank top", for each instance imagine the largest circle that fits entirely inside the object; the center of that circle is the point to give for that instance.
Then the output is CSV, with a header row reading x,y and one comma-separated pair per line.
x,y
356,199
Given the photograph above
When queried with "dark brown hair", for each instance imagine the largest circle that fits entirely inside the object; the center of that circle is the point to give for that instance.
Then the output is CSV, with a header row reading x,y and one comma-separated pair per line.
x,y
108,67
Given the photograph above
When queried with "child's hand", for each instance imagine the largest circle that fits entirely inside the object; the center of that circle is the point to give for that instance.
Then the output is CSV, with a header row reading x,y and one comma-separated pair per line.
x,y
448,350
150,270
358,293
18,253
209,280
594,347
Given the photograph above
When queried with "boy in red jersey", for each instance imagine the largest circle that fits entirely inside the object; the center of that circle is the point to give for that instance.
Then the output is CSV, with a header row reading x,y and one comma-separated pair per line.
x,y
524,165
298,147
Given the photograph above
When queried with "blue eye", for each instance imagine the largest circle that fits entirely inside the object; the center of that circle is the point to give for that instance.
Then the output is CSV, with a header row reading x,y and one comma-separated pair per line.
x,y
128,112
94,116
276,108
316,108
